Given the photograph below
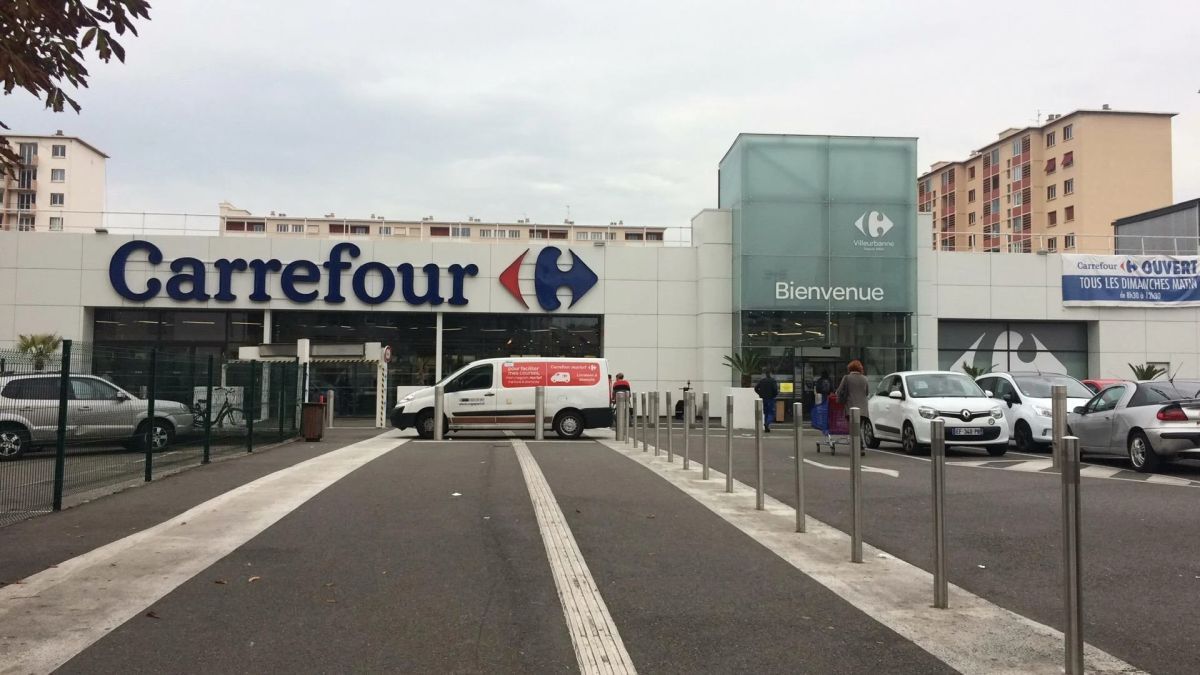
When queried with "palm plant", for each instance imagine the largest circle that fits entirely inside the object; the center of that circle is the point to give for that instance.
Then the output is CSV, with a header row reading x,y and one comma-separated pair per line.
x,y
1146,371
39,347
746,364
976,371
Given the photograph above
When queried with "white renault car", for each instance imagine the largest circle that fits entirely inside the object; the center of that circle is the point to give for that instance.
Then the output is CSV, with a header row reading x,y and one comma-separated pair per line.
x,y
1025,400
905,404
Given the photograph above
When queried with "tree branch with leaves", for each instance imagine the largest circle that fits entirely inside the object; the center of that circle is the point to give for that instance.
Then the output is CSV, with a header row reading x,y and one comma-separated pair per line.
x,y
44,43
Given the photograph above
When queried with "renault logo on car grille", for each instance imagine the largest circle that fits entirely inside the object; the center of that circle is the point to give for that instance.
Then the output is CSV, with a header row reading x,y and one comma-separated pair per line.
x,y
966,415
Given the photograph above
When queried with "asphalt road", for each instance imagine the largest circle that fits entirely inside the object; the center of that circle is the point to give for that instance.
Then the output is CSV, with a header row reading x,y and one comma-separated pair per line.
x,y
1141,544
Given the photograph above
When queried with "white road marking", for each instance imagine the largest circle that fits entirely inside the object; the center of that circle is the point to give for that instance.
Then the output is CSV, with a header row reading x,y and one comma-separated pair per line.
x,y
598,645
866,469
973,636
1037,467
55,614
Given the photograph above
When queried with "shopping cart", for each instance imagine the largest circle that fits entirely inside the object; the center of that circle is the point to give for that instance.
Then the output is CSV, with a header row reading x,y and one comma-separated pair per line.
x,y
830,419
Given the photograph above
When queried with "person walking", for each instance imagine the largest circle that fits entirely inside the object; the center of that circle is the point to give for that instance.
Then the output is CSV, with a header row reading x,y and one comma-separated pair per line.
x,y
767,389
853,390
620,385
823,386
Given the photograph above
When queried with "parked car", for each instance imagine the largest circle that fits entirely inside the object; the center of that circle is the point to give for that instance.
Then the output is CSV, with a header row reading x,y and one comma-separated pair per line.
x,y
1025,400
97,411
1147,422
1096,384
905,403
498,394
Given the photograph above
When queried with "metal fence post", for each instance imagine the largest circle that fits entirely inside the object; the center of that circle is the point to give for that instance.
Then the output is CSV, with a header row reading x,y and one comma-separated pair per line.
x,y
759,497
282,397
208,393
645,422
798,451
704,429
539,413
150,422
941,588
856,546
688,401
60,445
729,443
1072,579
670,424
1058,422
439,411
251,406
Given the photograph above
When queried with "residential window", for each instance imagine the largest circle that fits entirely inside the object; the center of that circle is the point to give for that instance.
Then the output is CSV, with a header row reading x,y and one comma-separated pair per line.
x,y
28,152
439,231
1050,139
485,234
1016,199
514,234
414,231
971,218
1069,186
297,228
360,229
460,231
256,227
970,173
385,230
281,227
1069,242
58,175
57,199
971,241
1068,159
581,236
996,206
58,151
1050,167
538,234
1052,244
56,223
25,226
1069,214
1052,218
1016,173
995,156
1016,147
314,229
970,196
1051,192
337,229
235,226
654,236
1068,132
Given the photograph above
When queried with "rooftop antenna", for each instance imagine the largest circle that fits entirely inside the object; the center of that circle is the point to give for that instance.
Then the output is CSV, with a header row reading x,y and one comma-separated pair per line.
x,y
1171,378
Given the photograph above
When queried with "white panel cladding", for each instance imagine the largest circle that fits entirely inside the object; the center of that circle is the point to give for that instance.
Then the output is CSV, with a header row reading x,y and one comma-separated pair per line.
x,y
677,297
676,331
1029,301
973,269
632,264
48,287
8,332
964,302
629,330
677,264
631,297
37,251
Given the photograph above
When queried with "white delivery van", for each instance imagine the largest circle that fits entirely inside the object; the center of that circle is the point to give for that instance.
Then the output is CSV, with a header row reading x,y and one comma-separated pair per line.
x,y
497,394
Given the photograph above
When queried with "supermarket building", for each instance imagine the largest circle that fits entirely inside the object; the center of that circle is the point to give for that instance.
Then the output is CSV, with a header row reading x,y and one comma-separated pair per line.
x,y
815,255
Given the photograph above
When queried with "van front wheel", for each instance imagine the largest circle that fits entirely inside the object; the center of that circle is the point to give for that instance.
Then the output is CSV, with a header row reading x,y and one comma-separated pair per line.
x,y
568,424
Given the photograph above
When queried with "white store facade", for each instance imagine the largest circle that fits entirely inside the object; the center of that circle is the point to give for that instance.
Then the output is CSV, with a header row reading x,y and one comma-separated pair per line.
x,y
765,273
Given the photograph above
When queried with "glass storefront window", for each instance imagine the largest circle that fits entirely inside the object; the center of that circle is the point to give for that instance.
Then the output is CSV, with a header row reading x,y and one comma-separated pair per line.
x,y
411,336
1014,346
468,337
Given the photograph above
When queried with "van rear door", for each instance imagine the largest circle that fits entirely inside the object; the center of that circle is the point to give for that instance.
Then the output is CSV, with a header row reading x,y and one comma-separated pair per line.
x,y
471,397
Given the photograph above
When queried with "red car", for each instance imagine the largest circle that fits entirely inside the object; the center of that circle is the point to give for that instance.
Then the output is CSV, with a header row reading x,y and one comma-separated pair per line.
x,y
1098,384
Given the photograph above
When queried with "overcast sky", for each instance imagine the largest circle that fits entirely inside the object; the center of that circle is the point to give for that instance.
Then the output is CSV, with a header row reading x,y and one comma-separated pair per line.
x,y
505,110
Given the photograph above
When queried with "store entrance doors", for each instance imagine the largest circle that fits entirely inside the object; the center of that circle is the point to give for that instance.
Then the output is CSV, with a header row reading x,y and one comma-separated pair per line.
x,y
353,385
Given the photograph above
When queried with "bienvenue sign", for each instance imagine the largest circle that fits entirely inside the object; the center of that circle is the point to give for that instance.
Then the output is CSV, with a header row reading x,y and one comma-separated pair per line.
x,y
1130,281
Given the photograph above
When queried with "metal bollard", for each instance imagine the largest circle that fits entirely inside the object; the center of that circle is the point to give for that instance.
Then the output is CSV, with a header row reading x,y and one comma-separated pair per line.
x,y
645,423
729,443
797,422
759,497
539,413
670,423
656,438
941,588
856,486
704,427
688,401
1058,422
633,418
439,411
622,412
1072,579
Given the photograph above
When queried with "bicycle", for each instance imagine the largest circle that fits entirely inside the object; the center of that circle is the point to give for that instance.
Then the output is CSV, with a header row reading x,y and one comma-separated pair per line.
x,y
227,412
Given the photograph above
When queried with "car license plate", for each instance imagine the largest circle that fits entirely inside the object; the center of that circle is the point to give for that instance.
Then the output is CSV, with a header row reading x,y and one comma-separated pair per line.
x,y
968,431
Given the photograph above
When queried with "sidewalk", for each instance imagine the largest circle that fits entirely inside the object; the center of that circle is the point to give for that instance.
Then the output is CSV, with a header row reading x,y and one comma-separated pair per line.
x,y
33,545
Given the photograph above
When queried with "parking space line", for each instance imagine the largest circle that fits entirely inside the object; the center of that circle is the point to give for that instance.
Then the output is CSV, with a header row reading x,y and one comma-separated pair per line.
x,y
972,636
54,615
598,644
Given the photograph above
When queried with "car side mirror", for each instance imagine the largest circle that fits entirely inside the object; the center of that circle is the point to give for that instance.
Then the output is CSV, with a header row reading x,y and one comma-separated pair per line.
x,y
121,397
1080,410
896,395
1008,398
988,393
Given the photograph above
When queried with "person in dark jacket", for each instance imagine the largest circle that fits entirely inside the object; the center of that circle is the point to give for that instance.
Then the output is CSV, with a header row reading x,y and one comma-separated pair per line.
x,y
767,389
854,390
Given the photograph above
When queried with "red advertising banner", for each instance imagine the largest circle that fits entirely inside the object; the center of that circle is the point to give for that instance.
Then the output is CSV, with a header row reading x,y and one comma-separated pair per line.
x,y
517,374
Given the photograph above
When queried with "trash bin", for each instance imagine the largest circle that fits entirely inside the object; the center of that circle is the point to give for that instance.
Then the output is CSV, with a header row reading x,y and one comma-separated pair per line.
x,y
312,421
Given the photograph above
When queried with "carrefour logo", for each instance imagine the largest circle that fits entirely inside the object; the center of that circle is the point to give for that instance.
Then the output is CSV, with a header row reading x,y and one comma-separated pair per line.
x,y
1160,266
1129,267
875,225
548,278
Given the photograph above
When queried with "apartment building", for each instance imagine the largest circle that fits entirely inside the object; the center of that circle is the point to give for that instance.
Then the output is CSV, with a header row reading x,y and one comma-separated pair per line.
x,y
60,179
240,222
1053,187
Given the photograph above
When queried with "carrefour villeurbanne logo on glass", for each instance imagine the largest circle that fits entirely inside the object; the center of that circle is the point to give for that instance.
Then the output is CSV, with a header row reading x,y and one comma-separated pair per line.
x,y
371,282
874,225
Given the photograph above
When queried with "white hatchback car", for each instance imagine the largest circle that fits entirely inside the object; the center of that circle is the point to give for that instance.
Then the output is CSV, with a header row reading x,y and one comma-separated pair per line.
x,y
905,403
1025,400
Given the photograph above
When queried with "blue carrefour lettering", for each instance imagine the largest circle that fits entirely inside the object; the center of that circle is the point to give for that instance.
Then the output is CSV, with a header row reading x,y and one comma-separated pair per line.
x,y
116,270
193,277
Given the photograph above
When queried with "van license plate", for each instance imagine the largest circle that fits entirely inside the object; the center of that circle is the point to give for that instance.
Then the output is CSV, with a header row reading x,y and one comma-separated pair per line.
x,y
968,431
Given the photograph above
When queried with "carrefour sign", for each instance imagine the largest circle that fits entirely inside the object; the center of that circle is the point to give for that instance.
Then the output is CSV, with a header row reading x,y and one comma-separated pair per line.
x,y
331,280
1130,281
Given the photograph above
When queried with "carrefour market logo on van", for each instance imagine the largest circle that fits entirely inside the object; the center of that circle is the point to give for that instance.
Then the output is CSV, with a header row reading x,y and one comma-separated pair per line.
x,y
548,278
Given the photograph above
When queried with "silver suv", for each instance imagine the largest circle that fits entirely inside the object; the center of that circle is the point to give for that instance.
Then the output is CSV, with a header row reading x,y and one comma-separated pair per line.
x,y
97,411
